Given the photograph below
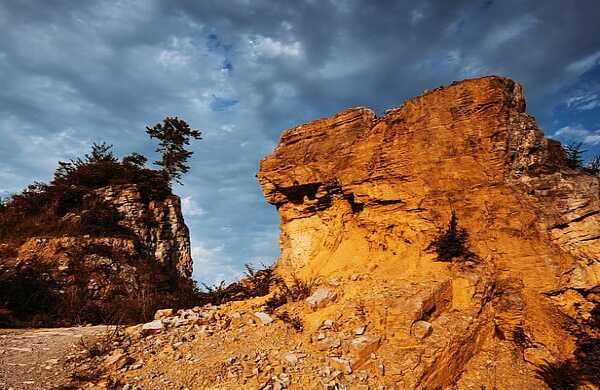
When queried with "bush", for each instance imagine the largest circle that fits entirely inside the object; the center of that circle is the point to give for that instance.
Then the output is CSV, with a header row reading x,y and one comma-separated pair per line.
x,y
574,153
255,283
296,290
452,243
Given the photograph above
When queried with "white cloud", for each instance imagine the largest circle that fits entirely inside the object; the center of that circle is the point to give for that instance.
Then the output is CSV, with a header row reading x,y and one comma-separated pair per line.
x,y
584,101
510,31
212,265
190,207
271,48
580,134
583,65
178,54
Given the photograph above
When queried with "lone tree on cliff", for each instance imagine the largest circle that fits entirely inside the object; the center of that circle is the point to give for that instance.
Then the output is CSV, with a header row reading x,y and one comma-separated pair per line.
x,y
173,135
574,154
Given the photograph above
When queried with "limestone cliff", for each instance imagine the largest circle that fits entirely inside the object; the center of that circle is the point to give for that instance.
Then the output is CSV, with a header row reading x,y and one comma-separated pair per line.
x,y
360,198
117,273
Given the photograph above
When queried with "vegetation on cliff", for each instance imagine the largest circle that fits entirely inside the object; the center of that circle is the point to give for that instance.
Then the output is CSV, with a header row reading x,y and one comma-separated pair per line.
x,y
68,254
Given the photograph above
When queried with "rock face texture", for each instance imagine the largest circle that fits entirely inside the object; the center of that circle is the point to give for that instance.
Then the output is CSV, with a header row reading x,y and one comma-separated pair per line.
x,y
123,271
158,226
360,198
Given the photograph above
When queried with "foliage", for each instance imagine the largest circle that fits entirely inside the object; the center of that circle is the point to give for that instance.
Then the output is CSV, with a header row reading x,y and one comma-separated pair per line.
x,y
173,135
256,283
452,243
560,376
292,320
43,209
574,153
295,290
593,165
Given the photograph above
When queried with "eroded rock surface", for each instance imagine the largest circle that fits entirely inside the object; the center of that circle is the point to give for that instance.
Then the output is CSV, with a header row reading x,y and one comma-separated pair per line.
x,y
357,192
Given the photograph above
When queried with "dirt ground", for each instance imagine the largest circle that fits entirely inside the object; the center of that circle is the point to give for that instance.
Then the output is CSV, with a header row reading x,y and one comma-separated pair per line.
x,y
40,358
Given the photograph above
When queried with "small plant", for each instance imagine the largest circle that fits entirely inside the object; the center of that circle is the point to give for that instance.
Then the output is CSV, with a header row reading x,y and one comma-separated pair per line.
x,y
296,290
593,165
292,320
560,376
574,153
452,243
101,345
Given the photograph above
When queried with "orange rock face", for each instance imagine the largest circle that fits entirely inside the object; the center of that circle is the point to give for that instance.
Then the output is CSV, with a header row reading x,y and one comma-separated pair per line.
x,y
360,198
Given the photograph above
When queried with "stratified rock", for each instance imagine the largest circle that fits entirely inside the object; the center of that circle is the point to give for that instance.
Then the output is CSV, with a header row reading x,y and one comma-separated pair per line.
x,y
364,195
145,250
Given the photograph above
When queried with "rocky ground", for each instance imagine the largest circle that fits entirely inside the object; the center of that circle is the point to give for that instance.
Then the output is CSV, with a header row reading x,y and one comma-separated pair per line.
x,y
42,358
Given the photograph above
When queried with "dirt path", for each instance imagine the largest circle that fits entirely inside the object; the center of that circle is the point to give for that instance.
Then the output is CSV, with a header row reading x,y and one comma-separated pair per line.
x,y
39,358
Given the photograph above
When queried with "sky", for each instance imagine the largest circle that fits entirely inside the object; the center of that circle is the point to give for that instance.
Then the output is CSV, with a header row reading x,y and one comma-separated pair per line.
x,y
242,71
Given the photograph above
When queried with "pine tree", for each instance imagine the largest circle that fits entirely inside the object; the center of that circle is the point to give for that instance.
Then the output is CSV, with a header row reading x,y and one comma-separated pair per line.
x,y
173,135
574,154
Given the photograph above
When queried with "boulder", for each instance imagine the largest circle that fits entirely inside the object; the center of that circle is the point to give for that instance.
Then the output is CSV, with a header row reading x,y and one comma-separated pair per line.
x,y
321,298
152,327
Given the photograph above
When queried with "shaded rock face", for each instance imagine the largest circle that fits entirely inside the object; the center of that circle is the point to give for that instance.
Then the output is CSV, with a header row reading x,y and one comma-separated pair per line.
x,y
122,276
361,194
158,226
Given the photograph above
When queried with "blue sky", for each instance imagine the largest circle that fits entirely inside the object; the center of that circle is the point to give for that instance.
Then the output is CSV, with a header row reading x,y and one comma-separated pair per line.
x,y
73,73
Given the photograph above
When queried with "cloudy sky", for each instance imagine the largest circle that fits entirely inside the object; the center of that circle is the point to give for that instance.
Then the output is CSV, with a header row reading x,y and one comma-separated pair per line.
x,y
77,72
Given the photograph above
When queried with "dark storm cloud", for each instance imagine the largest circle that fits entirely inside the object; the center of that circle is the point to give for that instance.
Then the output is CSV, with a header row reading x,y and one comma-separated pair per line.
x,y
242,71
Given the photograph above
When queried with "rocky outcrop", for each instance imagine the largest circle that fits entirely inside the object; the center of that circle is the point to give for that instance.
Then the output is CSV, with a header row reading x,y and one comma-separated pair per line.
x,y
121,273
361,194
364,302
158,226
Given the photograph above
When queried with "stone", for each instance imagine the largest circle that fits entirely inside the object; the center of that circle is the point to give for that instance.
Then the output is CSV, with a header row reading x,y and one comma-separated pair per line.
x,y
360,330
341,364
152,327
118,359
357,192
327,324
291,358
163,313
422,329
363,346
264,317
321,298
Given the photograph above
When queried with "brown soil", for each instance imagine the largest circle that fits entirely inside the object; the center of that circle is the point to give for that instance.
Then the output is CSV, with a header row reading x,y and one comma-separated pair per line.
x,y
41,358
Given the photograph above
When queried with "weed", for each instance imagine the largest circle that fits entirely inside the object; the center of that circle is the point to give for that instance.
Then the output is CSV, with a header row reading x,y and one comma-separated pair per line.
x,y
292,320
451,244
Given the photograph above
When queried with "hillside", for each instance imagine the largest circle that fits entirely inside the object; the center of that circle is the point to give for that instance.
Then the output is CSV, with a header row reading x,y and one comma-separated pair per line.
x,y
104,242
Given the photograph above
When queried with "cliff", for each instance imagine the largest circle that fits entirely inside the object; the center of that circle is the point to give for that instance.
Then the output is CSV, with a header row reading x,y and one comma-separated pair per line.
x,y
366,302
123,269
360,198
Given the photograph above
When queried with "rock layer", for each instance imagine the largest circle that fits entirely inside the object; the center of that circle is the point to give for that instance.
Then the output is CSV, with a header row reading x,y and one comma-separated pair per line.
x,y
361,194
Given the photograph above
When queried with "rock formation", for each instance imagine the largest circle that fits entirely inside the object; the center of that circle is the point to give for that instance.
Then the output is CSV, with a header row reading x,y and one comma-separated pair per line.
x,y
367,304
361,194
120,271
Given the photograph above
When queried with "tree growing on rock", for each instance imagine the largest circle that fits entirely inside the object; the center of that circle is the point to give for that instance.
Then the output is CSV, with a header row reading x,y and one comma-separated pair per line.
x,y
451,244
593,165
174,135
574,152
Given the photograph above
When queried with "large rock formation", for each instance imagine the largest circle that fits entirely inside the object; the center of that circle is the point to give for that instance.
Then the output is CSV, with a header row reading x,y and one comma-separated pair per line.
x,y
360,198
119,273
